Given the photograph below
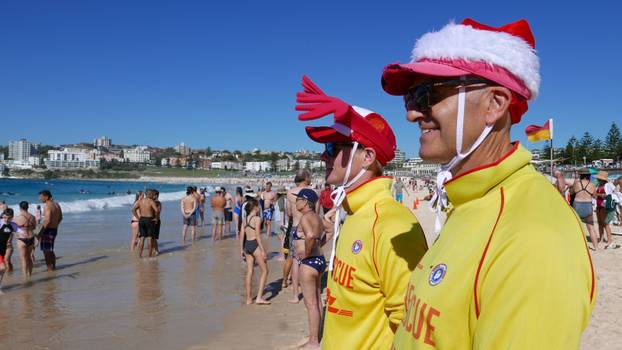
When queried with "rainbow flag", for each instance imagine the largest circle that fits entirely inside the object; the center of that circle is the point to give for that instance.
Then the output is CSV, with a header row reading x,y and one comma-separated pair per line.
x,y
538,133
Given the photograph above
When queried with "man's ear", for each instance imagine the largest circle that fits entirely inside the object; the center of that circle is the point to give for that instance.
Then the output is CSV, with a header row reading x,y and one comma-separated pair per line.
x,y
498,101
369,157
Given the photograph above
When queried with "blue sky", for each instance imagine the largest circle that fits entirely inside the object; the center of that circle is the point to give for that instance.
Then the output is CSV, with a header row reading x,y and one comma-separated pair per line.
x,y
225,74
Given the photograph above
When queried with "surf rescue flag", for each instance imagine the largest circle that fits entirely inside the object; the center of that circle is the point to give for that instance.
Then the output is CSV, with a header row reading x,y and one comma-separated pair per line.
x,y
538,133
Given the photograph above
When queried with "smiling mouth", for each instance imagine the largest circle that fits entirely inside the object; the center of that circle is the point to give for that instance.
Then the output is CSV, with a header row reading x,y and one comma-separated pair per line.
x,y
427,131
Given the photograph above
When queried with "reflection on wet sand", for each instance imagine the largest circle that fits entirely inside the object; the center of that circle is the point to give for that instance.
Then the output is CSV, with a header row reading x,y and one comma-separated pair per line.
x,y
150,314
31,314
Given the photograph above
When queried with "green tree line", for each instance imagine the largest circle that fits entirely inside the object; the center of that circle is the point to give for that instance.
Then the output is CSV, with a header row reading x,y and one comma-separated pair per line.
x,y
590,147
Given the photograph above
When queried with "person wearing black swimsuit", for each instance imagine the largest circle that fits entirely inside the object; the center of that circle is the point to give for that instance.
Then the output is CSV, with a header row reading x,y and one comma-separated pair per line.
x,y
252,250
7,229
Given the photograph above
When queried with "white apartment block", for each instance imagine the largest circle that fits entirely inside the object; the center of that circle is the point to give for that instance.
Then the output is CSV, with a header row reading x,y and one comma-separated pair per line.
x,y
183,149
226,165
21,150
72,158
257,166
102,142
137,155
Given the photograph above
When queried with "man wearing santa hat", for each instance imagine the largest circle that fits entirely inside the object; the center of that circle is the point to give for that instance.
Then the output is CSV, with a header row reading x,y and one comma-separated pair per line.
x,y
380,242
511,268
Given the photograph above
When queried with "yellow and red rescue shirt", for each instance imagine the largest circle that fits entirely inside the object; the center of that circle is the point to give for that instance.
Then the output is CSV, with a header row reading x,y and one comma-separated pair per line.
x,y
510,269
378,247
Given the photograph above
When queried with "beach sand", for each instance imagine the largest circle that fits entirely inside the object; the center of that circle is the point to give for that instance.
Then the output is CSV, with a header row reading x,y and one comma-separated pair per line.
x,y
191,297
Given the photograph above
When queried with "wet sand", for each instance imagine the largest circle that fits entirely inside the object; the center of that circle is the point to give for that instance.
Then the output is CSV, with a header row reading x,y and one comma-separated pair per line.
x,y
107,299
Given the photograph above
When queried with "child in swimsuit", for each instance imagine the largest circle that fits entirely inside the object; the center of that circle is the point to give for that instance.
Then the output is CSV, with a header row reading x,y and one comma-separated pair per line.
x,y
7,229
252,250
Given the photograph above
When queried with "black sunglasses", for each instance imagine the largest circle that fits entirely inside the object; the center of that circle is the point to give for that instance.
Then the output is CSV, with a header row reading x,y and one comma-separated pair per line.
x,y
423,96
332,148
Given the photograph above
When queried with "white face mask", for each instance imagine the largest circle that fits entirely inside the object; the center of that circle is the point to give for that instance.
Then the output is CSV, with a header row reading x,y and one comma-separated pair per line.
x,y
338,196
440,201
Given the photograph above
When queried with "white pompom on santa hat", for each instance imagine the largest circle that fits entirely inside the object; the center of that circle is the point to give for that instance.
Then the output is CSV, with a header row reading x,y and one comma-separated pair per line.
x,y
505,55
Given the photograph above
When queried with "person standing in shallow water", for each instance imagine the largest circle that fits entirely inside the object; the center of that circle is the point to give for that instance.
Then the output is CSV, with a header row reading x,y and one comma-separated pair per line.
x,y
134,223
147,212
218,203
252,251
53,215
158,223
25,240
189,206
7,229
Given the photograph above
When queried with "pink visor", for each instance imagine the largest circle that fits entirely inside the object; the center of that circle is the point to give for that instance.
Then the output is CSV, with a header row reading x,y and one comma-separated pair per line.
x,y
398,78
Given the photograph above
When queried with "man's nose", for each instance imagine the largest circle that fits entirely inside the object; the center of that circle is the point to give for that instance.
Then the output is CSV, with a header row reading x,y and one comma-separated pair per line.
x,y
413,115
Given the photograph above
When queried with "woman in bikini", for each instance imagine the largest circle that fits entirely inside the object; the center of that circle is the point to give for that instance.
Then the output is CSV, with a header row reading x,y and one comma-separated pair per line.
x,y
134,223
26,239
583,191
312,262
252,250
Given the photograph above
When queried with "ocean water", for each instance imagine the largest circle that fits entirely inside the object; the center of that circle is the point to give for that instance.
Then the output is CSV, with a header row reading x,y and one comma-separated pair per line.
x,y
96,214
79,196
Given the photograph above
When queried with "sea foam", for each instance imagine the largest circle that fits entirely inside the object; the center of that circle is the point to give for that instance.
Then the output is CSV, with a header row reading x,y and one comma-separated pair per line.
x,y
86,205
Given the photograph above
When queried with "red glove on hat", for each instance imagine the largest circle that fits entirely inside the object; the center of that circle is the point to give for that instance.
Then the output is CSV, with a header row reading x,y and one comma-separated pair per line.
x,y
351,123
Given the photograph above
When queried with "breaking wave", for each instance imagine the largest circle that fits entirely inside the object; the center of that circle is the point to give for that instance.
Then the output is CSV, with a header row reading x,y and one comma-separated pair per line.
x,y
86,205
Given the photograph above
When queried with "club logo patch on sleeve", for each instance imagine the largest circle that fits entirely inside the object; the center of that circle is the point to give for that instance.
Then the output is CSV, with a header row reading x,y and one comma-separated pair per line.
x,y
437,274
357,246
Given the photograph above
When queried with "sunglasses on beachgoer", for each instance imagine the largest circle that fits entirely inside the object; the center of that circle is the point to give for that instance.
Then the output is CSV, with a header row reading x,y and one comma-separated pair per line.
x,y
332,148
423,96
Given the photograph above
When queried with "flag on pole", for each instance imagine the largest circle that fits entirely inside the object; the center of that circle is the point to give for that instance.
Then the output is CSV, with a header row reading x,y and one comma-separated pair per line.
x,y
537,133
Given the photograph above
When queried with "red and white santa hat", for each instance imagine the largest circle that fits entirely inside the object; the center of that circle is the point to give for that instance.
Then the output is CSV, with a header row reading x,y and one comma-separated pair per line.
x,y
505,55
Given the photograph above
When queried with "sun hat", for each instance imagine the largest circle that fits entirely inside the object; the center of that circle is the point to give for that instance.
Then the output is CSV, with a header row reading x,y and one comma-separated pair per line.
x,y
603,176
505,55
351,123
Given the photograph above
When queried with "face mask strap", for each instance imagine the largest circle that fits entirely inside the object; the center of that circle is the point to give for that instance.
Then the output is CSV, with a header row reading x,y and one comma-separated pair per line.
x,y
439,201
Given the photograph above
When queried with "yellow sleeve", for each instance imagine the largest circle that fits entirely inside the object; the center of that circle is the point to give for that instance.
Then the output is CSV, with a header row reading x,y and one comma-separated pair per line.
x,y
400,246
526,297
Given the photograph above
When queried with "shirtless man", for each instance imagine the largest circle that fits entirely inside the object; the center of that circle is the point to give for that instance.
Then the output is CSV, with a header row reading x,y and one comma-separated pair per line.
x,y
25,239
228,210
156,231
313,263
188,210
146,210
269,197
53,215
218,203
302,180
200,197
